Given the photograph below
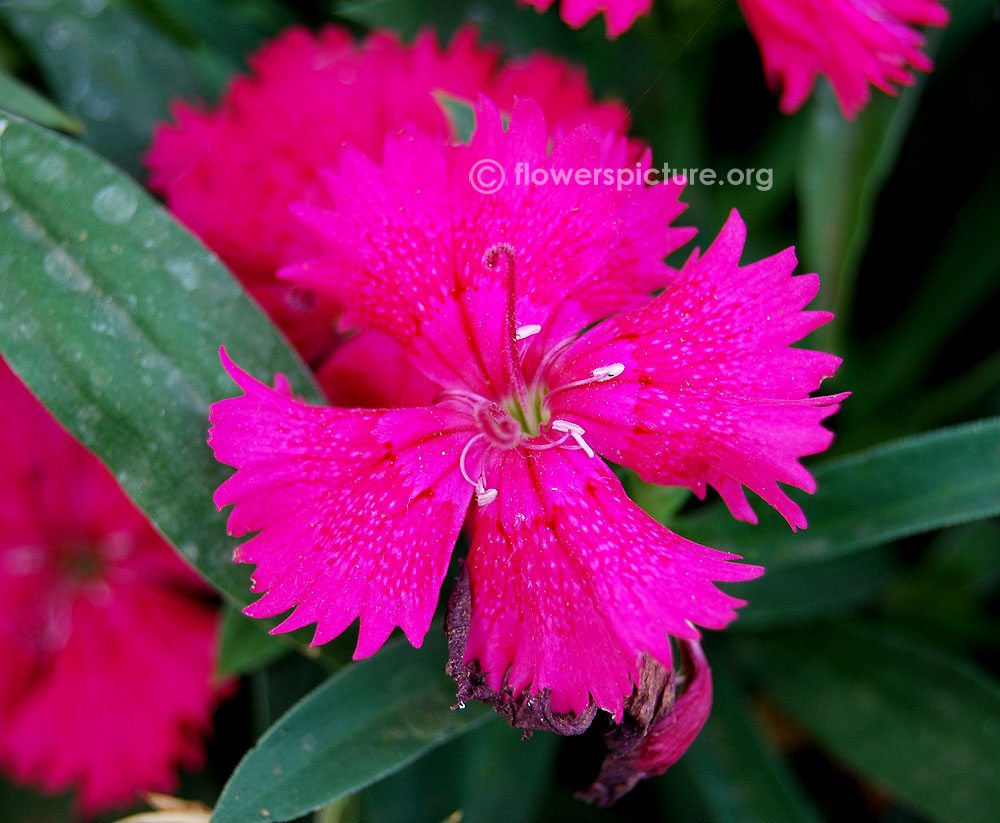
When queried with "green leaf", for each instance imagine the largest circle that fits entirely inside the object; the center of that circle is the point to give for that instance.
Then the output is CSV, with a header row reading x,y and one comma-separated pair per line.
x,y
23,100
792,594
872,497
842,169
246,646
460,114
959,572
659,502
490,774
281,685
108,66
362,724
844,165
25,806
113,315
222,27
963,276
923,724
735,770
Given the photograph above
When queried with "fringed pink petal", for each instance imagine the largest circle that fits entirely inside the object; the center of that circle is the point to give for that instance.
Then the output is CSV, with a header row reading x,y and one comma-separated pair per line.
x,y
405,243
572,582
619,14
231,172
710,391
854,43
357,511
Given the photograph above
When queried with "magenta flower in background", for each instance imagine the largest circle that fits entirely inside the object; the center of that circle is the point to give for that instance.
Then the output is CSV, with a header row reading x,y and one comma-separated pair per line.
x,y
853,43
491,296
107,638
229,173
619,14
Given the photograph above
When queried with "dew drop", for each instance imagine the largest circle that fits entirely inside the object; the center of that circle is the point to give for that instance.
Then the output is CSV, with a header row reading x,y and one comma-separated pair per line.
x,y
50,168
186,273
65,271
115,204
26,329
92,8
88,415
98,108
57,35
86,418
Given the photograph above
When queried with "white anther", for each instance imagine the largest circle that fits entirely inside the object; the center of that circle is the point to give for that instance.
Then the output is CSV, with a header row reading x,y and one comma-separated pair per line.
x,y
574,431
461,462
526,331
486,497
599,375
608,372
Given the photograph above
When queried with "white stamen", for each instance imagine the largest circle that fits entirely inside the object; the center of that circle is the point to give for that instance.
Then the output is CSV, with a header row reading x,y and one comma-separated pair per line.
x,y
608,372
471,399
574,431
599,375
526,331
486,497
461,462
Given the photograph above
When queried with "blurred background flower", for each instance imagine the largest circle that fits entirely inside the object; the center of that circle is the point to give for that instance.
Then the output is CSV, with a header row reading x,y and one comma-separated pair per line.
x,y
108,639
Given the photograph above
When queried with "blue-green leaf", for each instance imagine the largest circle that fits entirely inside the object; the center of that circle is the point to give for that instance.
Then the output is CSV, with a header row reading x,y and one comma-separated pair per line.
x,y
113,315
362,724
900,488
914,720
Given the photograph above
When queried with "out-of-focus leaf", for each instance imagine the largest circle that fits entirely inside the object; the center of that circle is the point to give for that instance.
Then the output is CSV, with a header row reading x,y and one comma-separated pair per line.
x,y
733,768
844,165
25,806
108,66
659,502
963,275
221,26
281,685
246,646
460,114
23,100
916,721
489,774
347,809
789,595
505,776
113,315
958,573
966,559
865,499
362,724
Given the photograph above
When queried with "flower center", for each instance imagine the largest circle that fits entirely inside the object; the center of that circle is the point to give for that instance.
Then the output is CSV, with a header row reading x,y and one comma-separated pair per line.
x,y
530,414
523,419
82,564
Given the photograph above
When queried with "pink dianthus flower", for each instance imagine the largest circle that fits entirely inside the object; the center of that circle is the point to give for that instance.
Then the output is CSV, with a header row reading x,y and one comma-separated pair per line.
x,y
230,173
619,14
530,311
854,43
107,638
